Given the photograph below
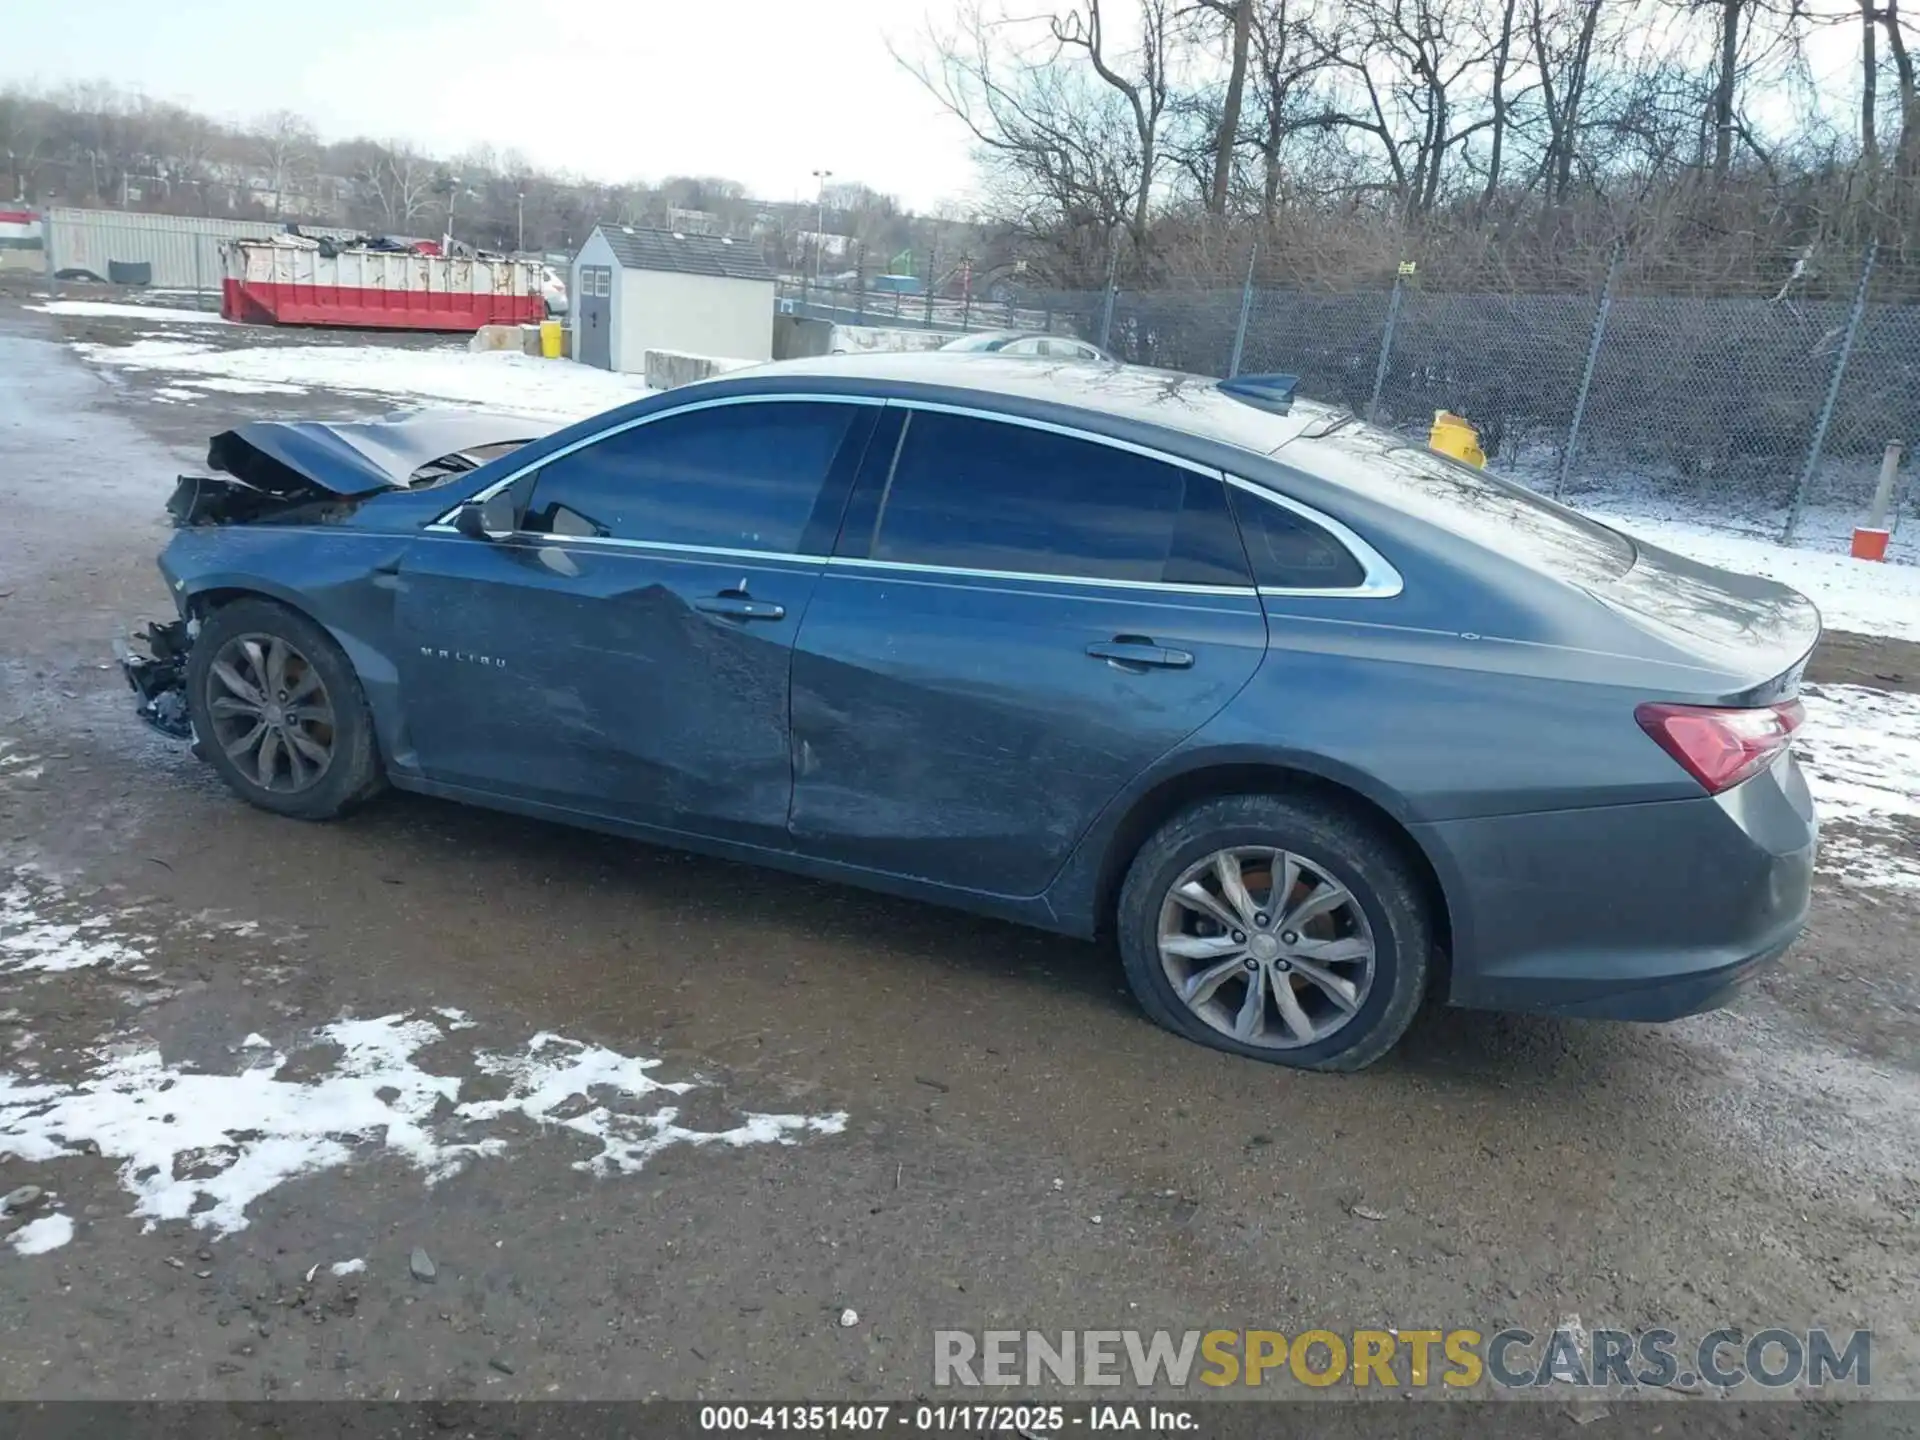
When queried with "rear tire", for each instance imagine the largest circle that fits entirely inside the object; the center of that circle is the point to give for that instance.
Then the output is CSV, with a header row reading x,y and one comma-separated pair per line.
x,y
278,711
1210,967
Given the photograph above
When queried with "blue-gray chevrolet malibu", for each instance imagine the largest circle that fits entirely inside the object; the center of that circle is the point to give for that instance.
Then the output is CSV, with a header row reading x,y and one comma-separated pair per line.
x,y
1313,721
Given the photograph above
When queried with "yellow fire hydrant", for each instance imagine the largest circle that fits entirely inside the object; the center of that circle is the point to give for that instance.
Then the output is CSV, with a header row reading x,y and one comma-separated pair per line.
x,y
1453,436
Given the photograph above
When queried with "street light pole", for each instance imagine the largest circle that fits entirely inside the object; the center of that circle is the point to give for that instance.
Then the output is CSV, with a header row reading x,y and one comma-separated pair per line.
x,y
820,222
520,217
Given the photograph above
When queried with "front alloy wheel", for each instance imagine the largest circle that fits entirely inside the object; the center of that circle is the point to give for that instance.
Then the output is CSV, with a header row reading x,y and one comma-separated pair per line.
x,y
271,713
1261,945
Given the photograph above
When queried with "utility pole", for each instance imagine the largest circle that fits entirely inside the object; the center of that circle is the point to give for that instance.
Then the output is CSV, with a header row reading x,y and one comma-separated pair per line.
x,y
820,222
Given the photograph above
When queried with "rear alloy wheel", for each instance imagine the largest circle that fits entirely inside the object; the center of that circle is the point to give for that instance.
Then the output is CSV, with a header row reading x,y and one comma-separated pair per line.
x,y
1263,947
279,712
1277,929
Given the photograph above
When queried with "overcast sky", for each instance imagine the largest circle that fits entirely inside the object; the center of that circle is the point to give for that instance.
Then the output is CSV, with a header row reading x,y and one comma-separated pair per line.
x,y
761,91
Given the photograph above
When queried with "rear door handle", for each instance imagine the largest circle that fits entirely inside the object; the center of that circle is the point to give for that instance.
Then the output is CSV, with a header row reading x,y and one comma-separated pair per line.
x,y
1139,654
740,607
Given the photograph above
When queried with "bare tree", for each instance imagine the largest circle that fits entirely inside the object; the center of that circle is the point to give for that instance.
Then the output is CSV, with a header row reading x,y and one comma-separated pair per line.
x,y
1499,102
1146,91
286,146
401,181
1237,16
1907,152
1563,50
1405,60
1058,148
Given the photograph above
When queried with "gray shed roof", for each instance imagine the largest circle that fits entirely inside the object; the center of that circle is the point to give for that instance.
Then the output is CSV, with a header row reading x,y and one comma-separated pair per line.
x,y
684,254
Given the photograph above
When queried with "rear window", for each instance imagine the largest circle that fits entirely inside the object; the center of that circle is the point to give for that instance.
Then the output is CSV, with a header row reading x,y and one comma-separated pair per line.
x,y
1478,506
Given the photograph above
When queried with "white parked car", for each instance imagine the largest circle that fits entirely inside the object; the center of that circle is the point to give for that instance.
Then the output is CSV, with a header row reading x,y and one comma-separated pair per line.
x,y
553,290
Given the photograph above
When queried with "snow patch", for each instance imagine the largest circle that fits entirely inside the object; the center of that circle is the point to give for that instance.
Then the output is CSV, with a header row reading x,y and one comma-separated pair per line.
x,y
107,309
37,1237
248,387
346,1267
497,380
203,1147
33,942
1860,749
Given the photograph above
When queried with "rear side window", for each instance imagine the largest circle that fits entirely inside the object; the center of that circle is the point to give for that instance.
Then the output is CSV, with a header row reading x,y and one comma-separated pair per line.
x,y
975,494
1289,551
738,477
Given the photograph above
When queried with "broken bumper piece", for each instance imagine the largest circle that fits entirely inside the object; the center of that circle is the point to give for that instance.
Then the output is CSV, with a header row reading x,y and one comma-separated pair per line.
x,y
157,671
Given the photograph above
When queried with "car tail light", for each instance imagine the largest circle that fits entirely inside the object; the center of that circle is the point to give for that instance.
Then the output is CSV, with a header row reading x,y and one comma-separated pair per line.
x,y
1721,747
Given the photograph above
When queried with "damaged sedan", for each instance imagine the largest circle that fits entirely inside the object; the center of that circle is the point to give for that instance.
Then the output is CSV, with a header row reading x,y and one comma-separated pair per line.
x,y
1313,722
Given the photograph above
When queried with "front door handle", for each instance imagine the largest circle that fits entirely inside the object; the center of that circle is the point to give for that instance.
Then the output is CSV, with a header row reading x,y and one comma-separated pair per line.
x,y
740,607
1136,652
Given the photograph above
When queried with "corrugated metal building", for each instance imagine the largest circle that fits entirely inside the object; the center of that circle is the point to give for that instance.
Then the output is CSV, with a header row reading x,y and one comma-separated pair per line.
x,y
183,251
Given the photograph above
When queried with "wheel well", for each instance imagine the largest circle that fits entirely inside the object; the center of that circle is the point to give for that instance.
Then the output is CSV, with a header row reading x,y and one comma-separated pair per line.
x,y
206,602
1167,799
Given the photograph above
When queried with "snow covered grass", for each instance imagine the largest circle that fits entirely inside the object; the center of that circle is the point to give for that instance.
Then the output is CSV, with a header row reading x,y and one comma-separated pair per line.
x,y
107,309
551,389
1861,751
202,1147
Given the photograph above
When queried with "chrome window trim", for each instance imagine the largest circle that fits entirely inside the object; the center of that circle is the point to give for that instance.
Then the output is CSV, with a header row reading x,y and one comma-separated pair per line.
x,y
669,550
905,567
445,521
1112,442
1378,579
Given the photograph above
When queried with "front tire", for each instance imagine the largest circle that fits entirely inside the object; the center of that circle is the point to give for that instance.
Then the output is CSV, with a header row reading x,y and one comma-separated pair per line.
x,y
1277,928
279,713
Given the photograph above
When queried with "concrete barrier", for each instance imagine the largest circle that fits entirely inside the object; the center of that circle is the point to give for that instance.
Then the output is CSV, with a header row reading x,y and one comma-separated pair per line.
x,y
524,338
669,369
880,339
796,337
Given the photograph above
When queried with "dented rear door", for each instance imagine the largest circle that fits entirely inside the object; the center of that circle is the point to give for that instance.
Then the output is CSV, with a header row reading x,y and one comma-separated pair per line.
x,y
1017,622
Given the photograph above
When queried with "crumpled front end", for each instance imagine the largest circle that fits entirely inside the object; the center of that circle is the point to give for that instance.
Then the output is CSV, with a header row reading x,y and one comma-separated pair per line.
x,y
157,671
310,472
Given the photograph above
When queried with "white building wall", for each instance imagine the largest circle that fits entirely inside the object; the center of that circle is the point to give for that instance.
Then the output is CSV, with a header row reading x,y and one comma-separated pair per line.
x,y
698,314
595,252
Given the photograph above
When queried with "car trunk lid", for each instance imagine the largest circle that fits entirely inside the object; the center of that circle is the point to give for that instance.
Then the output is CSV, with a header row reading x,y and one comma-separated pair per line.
x,y
1757,632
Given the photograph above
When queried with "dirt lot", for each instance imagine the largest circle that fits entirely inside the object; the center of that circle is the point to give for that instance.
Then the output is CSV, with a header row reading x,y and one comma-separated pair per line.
x,y
979,1127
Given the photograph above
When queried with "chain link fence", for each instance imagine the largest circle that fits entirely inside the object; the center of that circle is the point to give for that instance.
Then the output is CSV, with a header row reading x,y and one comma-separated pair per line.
x,y
1750,408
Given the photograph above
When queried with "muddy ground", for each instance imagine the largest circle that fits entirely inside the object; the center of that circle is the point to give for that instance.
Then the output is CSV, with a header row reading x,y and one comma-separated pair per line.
x,y
1020,1147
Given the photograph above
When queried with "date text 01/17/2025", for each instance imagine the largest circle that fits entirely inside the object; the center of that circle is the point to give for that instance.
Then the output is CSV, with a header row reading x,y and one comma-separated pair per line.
x,y
959,1419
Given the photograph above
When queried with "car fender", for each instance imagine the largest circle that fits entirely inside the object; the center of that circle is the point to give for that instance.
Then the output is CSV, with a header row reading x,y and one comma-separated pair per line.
x,y
1077,894
353,604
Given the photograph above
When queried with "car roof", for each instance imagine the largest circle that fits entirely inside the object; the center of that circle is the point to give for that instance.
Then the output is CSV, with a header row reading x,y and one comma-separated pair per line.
x,y
1168,399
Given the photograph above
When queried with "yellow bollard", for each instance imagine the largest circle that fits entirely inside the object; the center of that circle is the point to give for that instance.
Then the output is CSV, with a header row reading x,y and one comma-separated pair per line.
x,y
1454,436
550,339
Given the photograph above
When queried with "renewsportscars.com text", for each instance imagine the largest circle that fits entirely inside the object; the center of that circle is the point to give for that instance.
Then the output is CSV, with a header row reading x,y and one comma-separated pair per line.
x,y
1461,1358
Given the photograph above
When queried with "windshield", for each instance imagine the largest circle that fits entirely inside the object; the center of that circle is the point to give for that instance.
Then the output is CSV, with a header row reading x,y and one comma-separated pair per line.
x,y
1475,504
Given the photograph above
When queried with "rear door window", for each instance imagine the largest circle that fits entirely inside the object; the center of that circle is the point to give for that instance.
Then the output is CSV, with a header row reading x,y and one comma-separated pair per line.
x,y
969,493
738,477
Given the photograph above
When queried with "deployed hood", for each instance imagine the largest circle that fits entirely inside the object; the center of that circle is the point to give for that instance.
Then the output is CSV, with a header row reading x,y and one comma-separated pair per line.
x,y
296,471
361,457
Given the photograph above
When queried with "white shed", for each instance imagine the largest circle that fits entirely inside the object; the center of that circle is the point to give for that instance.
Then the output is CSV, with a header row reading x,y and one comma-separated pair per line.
x,y
638,290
